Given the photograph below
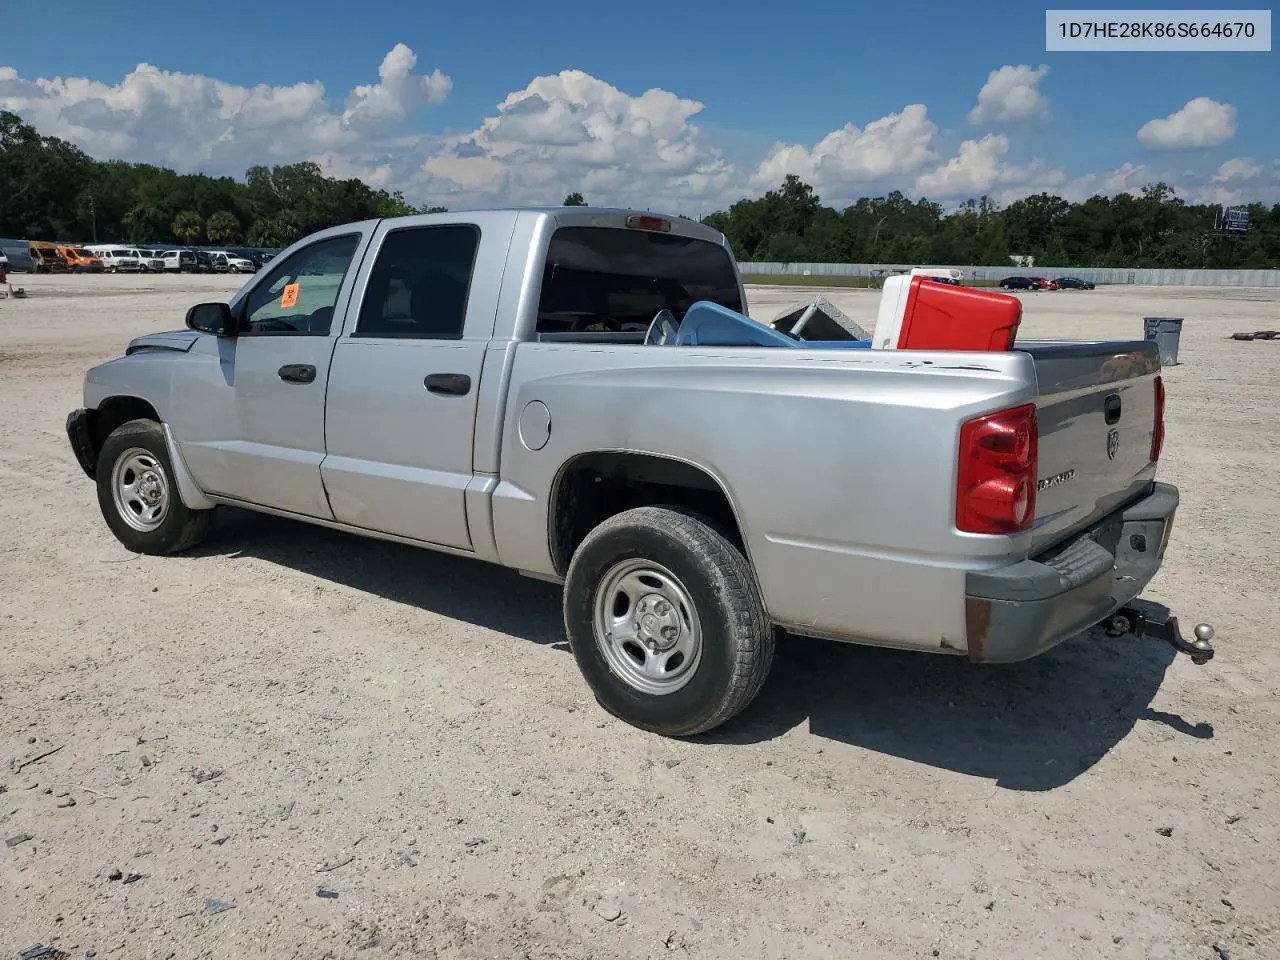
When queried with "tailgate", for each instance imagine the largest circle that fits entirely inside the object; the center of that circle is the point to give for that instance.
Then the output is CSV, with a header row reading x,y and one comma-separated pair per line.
x,y
1096,408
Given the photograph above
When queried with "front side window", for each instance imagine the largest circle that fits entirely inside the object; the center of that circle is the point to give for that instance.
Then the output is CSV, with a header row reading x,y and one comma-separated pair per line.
x,y
419,284
299,295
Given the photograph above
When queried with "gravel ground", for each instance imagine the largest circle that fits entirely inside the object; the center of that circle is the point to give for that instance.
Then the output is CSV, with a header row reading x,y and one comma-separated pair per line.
x,y
292,742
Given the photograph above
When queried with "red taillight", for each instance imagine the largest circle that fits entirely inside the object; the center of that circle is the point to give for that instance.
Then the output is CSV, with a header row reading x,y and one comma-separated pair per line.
x,y
637,222
996,481
1157,432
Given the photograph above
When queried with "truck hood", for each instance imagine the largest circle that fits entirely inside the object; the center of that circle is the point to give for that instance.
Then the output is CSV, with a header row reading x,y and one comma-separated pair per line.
x,y
180,340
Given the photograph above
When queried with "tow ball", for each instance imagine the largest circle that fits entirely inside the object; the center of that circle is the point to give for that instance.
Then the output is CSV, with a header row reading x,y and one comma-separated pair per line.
x,y
1164,626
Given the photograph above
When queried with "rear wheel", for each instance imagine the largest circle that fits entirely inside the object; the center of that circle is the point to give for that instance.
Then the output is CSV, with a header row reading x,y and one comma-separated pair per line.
x,y
138,494
666,622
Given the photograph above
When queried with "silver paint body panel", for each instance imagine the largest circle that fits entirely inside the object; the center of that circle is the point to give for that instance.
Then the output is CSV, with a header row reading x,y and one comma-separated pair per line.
x,y
839,464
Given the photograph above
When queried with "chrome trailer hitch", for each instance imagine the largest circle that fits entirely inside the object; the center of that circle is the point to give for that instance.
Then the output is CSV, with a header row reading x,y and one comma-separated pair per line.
x,y
1161,626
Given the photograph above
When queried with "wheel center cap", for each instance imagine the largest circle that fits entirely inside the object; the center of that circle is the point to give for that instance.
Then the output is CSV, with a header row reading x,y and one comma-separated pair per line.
x,y
149,488
657,623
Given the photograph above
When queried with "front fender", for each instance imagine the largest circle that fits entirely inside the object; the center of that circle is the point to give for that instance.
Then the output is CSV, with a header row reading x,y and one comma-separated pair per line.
x,y
141,379
143,374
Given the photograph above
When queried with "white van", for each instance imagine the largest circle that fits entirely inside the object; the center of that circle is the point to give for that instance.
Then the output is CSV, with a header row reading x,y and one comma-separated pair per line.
x,y
117,258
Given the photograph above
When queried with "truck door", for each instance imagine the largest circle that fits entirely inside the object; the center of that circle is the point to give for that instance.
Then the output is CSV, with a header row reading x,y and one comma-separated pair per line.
x,y
273,375
401,407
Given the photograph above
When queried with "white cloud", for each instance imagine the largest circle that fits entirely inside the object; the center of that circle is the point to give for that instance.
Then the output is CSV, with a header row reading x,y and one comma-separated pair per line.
x,y
571,131
979,167
1216,195
1127,178
972,171
1200,123
1011,95
397,91
1237,169
893,146
193,122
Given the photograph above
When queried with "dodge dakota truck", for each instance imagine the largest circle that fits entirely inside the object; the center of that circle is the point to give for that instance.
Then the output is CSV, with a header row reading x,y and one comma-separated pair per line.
x,y
579,394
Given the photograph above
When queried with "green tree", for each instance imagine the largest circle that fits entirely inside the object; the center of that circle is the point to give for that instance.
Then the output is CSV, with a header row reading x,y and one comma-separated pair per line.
x,y
278,231
144,223
51,190
187,227
574,200
222,228
1055,254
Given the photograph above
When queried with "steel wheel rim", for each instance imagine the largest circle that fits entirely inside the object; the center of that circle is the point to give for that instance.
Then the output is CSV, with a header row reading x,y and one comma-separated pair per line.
x,y
647,627
140,489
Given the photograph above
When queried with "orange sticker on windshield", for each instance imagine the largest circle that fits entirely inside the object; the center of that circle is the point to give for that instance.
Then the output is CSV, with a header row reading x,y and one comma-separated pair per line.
x,y
290,296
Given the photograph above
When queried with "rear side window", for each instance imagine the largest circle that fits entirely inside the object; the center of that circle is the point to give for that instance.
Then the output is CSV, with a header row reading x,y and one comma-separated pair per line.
x,y
613,279
419,284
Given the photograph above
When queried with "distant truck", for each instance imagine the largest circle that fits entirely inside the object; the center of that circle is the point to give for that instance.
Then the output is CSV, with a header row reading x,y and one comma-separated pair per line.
x,y
180,261
80,260
577,394
47,257
18,255
224,261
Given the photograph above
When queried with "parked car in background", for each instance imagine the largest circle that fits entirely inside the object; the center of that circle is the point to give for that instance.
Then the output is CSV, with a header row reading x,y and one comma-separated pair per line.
x,y
179,261
1073,283
18,253
1045,284
225,262
151,260
117,258
1019,283
79,259
47,258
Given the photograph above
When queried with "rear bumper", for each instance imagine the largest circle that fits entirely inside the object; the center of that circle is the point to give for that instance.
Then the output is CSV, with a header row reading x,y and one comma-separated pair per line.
x,y
1017,612
80,434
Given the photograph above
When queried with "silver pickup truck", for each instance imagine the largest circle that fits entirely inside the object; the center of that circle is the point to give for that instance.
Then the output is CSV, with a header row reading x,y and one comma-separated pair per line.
x,y
538,388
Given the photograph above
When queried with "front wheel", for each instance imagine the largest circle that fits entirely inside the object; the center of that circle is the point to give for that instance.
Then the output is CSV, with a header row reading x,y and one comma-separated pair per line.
x,y
138,493
666,621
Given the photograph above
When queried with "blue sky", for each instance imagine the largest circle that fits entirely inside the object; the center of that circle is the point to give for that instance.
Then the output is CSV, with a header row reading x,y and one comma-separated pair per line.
x,y
763,75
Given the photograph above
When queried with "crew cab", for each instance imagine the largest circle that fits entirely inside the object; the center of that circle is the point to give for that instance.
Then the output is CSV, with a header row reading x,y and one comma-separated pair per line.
x,y
179,261
224,262
579,394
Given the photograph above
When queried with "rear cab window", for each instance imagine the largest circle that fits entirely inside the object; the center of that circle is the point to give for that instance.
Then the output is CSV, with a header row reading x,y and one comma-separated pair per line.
x,y
611,280
420,283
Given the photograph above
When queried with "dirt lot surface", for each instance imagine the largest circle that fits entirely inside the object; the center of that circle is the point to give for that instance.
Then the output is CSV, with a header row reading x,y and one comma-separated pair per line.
x,y
296,743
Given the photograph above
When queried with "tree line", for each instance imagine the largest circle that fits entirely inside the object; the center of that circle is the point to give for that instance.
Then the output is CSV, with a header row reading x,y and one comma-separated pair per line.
x,y
1155,229
52,190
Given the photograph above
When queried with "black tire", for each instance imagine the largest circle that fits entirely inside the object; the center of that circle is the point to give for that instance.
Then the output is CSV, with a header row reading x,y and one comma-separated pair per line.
x,y
179,528
737,639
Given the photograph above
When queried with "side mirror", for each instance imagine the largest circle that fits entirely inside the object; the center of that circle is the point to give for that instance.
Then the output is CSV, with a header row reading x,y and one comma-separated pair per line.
x,y
212,318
